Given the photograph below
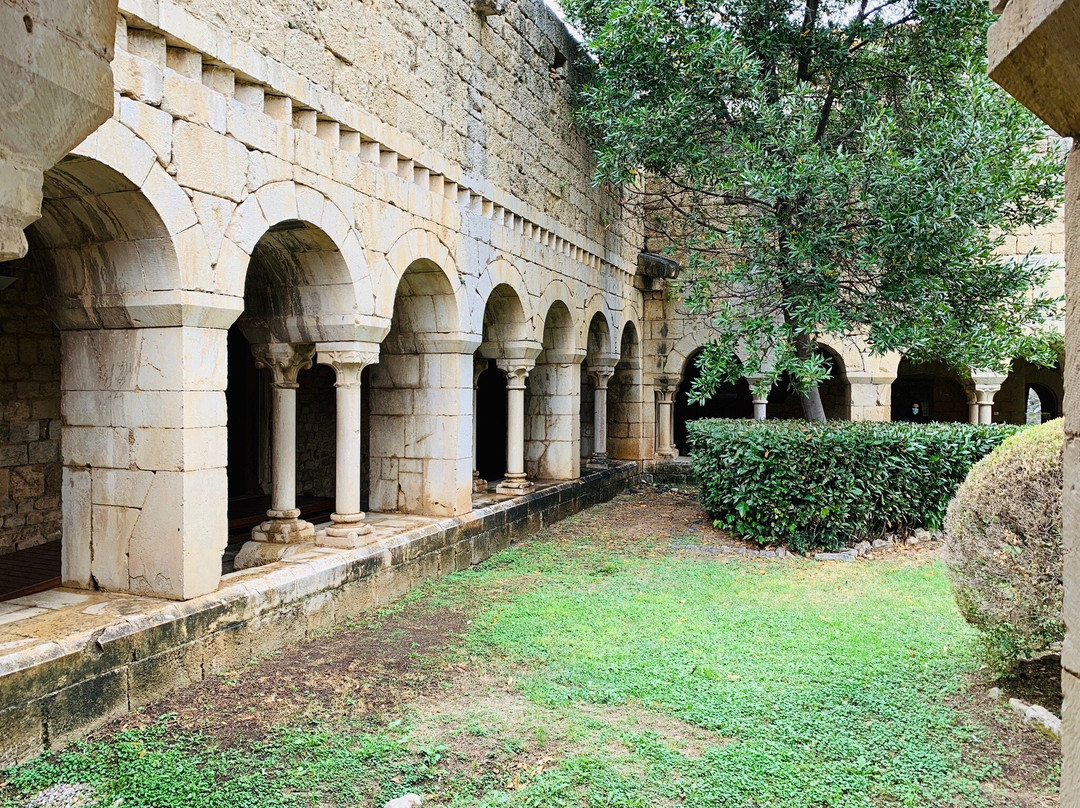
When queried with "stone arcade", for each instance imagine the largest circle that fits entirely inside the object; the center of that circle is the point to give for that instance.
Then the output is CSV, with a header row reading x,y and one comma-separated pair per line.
x,y
331,288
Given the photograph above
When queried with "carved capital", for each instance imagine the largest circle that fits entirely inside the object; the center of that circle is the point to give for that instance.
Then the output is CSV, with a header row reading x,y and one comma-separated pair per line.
x,y
665,396
601,376
348,364
284,360
516,370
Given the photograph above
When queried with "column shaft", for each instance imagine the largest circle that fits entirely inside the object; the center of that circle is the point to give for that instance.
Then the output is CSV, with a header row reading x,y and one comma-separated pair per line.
x,y
516,481
347,460
600,421
665,399
515,431
283,452
347,520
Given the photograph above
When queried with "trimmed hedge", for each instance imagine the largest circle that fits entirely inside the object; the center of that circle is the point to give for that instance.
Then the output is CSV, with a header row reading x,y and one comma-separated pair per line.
x,y
1003,546
822,486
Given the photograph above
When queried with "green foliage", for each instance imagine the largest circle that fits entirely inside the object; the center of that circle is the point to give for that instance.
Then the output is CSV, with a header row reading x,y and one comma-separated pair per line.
x,y
815,687
1004,548
820,486
670,682
825,167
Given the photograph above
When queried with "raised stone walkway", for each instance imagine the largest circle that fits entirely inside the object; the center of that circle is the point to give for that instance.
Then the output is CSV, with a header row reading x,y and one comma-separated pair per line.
x,y
71,659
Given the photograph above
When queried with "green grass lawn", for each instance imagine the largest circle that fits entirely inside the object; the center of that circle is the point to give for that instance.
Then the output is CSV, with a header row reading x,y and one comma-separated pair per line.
x,y
594,677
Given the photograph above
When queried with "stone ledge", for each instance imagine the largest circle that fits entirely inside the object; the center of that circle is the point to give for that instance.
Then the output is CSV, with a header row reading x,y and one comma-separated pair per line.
x,y
66,672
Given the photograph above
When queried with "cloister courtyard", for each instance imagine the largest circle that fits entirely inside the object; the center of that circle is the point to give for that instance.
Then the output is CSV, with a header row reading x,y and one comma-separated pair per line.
x,y
614,659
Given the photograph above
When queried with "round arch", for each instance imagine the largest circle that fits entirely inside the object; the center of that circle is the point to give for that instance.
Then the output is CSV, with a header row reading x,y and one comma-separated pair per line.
x,y
336,260
727,401
503,280
420,249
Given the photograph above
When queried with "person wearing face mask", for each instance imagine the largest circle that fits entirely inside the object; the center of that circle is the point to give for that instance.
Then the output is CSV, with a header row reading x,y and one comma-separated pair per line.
x,y
915,415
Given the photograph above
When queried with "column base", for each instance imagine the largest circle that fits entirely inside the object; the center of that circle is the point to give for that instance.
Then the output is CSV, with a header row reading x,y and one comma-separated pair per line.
x,y
598,462
667,454
514,485
347,532
479,484
259,553
284,531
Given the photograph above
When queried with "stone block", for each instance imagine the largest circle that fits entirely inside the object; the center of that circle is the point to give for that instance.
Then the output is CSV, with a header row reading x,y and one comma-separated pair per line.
x,y
158,449
24,733
77,515
13,456
120,487
1070,740
257,130
155,677
190,100
76,710
99,447
111,528
151,124
137,78
208,161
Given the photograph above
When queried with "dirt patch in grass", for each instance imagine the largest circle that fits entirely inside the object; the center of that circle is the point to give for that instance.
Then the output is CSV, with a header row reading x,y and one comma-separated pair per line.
x,y
1028,761
642,519
361,672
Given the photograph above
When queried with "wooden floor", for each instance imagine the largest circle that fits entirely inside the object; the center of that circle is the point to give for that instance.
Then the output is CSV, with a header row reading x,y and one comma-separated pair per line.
x,y
26,572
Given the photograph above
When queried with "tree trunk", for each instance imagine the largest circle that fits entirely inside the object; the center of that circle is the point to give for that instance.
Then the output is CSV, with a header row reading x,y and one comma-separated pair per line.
x,y
811,401
812,409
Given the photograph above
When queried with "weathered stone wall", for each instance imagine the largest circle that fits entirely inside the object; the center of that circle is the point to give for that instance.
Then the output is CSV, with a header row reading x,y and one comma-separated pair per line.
x,y
489,94
315,444
29,414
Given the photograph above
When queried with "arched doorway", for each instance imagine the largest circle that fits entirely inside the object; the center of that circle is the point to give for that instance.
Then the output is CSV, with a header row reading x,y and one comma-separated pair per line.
x,y
115,473
297,293
597,368
503,352
934,387
835,392
727,401
551,395
1042,405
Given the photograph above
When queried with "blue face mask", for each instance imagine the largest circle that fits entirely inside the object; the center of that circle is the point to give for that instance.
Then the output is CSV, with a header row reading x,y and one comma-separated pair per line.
x,y
914,410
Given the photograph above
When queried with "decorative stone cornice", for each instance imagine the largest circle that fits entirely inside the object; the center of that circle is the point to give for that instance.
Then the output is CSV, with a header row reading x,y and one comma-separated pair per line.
x,y
284,360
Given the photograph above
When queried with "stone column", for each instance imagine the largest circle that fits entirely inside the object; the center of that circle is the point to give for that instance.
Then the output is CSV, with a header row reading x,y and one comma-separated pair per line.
x,y
986,387
600,376
348,527
283,527
516,481
973,409
761,402
665,399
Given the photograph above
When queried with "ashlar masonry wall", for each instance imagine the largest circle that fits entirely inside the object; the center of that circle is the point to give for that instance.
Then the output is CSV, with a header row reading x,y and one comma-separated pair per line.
x,y
30,471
